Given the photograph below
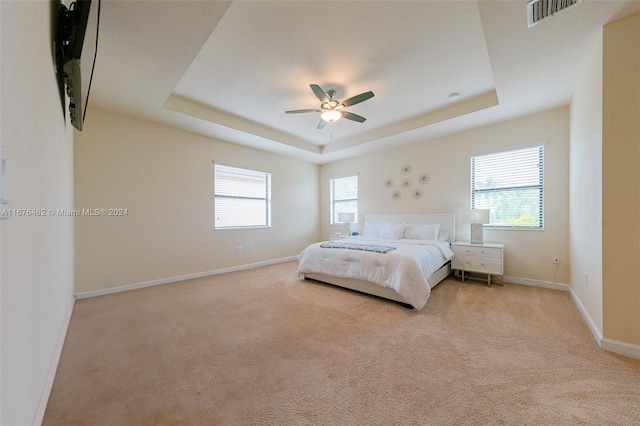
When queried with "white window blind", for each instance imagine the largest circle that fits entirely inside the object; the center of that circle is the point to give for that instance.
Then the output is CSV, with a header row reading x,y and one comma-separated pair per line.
x,y
510,185
344,197
242,198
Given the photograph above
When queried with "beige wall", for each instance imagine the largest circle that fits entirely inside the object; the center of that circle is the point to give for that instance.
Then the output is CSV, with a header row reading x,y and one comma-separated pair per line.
x,y
621,180
164,178
36,252
527,253
585,242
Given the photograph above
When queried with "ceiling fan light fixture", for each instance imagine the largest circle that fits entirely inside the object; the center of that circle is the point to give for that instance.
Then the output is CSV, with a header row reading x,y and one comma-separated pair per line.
x,y
331,110
331,115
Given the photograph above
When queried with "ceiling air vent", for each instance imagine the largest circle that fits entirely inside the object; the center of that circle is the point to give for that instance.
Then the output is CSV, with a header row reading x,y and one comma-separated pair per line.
x,y
537,10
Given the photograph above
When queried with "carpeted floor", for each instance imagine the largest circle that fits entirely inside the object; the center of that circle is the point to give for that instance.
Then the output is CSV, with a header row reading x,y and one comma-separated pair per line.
x,y
262,347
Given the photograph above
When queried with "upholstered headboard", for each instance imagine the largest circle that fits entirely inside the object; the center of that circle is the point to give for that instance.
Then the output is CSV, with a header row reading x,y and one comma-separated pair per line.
x,y
373,223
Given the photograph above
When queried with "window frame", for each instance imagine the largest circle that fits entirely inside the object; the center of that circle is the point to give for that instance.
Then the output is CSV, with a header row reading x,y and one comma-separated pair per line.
x,y
333,213
267,199
539,186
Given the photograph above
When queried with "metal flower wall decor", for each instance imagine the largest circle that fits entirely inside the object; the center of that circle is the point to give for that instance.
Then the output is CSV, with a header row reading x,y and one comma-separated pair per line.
x,y
407,183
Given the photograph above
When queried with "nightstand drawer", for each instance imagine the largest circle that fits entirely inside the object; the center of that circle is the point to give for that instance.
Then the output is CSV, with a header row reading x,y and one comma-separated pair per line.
x,y
477,251
483,264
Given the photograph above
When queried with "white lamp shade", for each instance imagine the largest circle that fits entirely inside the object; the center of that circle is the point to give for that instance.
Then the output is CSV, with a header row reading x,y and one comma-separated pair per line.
x,y
345,217
475,216
331,115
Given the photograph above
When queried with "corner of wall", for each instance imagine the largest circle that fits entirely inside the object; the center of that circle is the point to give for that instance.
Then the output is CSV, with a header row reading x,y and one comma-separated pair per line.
x,y
585,193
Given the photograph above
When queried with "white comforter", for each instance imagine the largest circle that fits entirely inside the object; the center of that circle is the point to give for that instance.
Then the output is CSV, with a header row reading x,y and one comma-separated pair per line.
x,y
405,269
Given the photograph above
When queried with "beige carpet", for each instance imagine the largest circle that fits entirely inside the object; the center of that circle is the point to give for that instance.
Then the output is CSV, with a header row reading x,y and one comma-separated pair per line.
x,y
261,347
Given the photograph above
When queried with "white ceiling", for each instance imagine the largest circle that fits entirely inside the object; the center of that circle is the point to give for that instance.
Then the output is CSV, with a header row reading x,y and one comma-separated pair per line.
x,y
229,70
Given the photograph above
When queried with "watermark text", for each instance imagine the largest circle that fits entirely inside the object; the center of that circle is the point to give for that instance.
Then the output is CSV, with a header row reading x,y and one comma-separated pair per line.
x,y
63,212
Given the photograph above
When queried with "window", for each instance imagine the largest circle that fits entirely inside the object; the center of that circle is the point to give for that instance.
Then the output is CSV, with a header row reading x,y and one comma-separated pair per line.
x,y
242,198
344,197
510,184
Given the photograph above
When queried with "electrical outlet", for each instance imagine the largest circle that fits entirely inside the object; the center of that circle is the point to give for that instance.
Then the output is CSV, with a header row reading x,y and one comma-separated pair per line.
x,y
239,249
556,259
251,248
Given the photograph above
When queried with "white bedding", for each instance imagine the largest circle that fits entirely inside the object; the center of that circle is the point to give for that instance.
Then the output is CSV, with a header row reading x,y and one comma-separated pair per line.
x,y
405,269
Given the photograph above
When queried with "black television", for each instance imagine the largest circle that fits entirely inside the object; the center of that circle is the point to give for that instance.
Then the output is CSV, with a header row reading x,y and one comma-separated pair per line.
x,y
77,34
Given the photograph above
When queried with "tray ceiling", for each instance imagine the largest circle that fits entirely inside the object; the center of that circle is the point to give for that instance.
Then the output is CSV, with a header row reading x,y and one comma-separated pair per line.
x,y
229,70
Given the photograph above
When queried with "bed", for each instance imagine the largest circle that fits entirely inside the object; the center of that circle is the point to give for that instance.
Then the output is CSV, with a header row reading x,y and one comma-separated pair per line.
x,y
417,258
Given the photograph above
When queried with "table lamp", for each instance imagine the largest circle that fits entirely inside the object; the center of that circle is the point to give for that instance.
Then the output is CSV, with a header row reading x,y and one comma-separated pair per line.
x,y
476,217
346,218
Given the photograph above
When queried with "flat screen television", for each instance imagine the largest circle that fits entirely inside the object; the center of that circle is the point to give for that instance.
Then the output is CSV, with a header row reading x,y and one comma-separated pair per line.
x,y
77,34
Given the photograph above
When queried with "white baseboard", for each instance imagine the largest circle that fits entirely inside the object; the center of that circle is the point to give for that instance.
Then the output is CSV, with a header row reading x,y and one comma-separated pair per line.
x,y
597,334
611,345
135,286
537,283
622,348
53,367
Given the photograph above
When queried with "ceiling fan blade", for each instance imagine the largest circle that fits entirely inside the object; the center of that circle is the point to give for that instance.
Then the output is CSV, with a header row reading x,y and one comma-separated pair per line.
x,y
321,124
298,111
352,116
358,98
319,93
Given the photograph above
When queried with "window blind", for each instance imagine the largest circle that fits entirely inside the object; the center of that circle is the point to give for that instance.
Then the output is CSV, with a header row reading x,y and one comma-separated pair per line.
x,y
510,185
242,198
344,197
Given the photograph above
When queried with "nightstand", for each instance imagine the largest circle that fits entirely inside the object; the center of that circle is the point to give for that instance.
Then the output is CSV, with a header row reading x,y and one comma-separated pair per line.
x,y
481,258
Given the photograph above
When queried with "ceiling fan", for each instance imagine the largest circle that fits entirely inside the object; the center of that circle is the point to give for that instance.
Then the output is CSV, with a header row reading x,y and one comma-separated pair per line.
x,y
332,110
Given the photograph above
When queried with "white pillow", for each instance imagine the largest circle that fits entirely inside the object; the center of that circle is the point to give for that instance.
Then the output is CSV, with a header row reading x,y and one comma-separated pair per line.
x,y
444,235
392,231
422,232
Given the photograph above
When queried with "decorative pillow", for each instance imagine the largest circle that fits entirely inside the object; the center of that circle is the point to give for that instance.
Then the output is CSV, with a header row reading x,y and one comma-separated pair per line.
x,y
392,231
422,232
443,236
